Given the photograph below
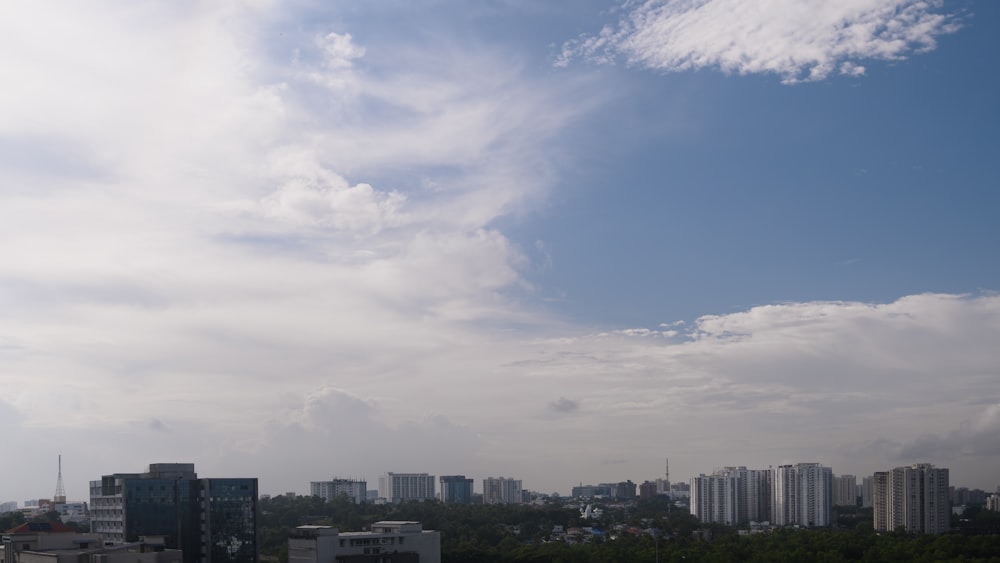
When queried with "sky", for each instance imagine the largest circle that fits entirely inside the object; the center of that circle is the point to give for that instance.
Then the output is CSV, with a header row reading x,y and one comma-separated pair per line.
x,y
558,241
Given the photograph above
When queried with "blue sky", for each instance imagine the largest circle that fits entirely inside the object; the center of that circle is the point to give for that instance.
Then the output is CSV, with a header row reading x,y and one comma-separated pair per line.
x,y
557,241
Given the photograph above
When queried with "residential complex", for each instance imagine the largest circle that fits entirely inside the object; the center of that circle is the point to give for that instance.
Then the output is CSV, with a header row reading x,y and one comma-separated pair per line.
x,y
403,487
356,490
803,495
845,490
732,495
501,490
913,498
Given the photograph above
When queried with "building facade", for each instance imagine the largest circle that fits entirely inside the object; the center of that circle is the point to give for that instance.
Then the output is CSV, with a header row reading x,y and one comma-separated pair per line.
x,y
210,520
456,489
355,489
803,495
501,490
404,487
387,542
867,488
732,496
845,490
913,498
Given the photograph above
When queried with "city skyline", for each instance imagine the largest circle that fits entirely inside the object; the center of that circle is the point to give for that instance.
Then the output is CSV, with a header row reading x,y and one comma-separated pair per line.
x,y
558,241
323,488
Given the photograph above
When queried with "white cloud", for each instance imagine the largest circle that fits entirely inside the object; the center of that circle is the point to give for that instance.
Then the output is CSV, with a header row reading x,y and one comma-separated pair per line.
x,y
797,40
230,262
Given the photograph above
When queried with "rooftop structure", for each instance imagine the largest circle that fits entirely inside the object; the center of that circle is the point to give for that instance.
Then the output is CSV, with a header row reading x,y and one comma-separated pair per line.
x,y
53,542
389,541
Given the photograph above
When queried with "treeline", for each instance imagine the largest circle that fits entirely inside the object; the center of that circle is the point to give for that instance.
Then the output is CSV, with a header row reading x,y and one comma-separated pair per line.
x,y
523,534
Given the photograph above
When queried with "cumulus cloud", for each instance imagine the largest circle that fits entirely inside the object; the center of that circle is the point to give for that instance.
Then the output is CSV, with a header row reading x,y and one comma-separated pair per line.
x,y
798,41
254,266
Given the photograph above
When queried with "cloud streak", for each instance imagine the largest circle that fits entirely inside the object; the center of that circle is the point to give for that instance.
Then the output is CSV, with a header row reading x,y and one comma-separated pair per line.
x,y
798,41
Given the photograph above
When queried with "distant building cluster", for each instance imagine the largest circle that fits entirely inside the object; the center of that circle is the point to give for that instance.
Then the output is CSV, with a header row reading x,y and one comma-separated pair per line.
x,y
622,490
169,514
731,496
913,498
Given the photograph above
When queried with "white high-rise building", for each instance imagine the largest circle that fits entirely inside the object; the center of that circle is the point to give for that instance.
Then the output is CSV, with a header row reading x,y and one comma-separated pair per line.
x,y
867,488
355,489
402,487
501,490
803,495
733,495
913,498
845,491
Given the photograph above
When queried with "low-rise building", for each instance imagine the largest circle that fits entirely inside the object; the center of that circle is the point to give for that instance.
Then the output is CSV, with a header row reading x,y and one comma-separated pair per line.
x,y
388,541
53,542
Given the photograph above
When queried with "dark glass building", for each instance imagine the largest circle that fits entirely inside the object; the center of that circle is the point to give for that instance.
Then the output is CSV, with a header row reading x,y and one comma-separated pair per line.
x,y
456,489
210,520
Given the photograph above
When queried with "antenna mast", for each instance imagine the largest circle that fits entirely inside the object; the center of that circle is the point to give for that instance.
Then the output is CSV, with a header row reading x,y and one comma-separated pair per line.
x,y
60,496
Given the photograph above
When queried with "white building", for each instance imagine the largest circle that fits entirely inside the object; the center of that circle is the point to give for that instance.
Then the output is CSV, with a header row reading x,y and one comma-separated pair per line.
x,y
388,541
914,498
867,488
733,495
803,495
402,487
993,503
355,489
72,511
845,490
501,490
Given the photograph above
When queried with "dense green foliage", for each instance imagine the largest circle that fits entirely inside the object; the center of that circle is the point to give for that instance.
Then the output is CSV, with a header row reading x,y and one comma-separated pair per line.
x,y
649,531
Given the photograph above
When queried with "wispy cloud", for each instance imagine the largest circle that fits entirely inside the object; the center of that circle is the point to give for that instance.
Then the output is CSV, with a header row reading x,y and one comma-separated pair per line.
x,y
796,40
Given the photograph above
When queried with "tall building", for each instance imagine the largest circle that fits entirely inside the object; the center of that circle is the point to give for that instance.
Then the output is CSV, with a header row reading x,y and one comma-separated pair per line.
x,y
845,490
387,542
648,489
403,487
501,490
456,489
210,520
913,498
714,498
803,495
355,489
732,496
867,487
